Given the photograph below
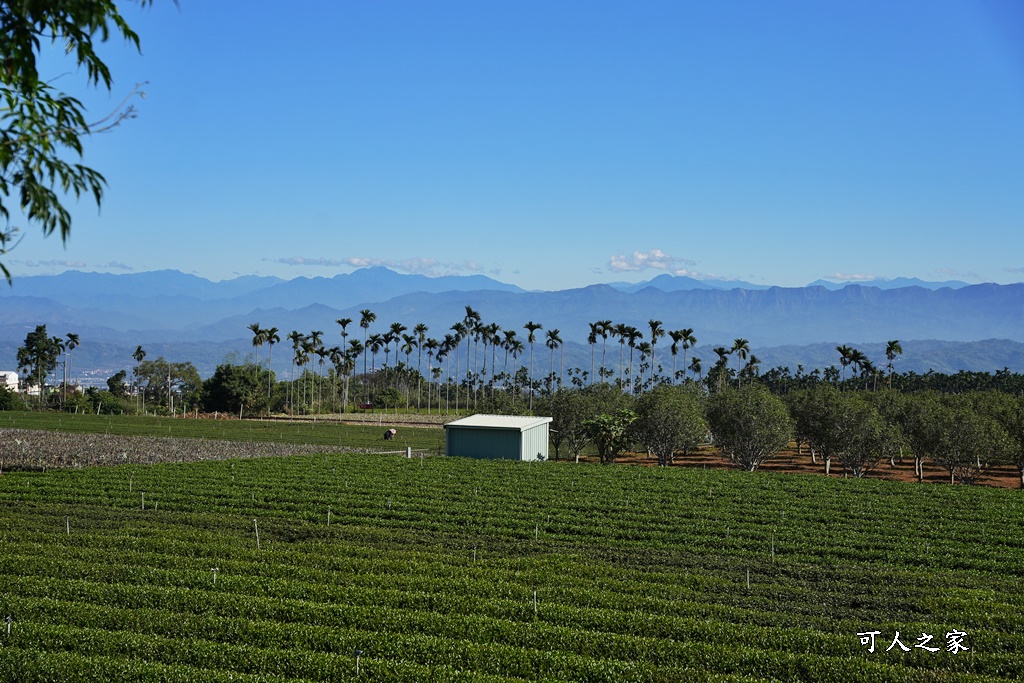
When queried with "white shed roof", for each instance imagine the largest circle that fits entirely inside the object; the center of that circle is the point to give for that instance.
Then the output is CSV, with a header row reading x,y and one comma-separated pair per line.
x,y
499,422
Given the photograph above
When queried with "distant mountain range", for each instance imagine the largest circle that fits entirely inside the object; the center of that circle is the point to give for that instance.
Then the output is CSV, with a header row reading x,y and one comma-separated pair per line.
x,y
682,283
184,317
171,300
894,283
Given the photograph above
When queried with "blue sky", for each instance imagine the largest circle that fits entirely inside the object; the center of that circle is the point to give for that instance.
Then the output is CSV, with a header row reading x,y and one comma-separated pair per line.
x,y
559,144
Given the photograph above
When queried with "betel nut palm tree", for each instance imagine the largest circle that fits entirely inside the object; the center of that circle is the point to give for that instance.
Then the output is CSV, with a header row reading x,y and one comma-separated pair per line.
x,y
420,331
604,329
595,332
73,343
741,347
553,342
621,330
657,331
271,336
844,357
892,349
532,327
696,368
677,337
139,356
721,365
366,318
688,341
633,337
296,338
857,360
259,335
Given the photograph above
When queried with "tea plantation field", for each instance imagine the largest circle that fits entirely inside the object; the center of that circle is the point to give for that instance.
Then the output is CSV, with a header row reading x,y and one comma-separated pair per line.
x,y
382,568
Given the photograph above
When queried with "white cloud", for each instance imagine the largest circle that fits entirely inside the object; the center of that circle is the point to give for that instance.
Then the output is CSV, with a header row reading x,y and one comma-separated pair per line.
x,y
1009,269
655,259
53,264
303,261
950,272
851,277
416,265
116,265
360,262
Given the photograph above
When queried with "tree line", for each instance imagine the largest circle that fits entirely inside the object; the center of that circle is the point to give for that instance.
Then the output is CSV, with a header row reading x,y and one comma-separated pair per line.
x,y
966,422
477,360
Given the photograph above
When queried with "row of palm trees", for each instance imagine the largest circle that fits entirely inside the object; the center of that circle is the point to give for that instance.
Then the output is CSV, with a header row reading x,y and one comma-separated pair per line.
x,y
307,349
480,367
865,368
479,371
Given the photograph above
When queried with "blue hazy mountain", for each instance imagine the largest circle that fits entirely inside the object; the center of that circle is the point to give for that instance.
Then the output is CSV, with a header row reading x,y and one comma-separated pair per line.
x,y
180,312
364,286
681,283
171,300
894,283
74,287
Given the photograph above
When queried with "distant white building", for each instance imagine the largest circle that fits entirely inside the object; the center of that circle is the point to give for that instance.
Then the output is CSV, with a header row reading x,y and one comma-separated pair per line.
x,y
9,380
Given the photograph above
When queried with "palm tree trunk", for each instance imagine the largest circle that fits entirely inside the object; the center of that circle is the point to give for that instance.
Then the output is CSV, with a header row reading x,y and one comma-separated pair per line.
x,y
561,364
270,372
531,376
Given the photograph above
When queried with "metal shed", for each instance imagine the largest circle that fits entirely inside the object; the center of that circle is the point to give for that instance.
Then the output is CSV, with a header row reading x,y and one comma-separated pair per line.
x,y
498,437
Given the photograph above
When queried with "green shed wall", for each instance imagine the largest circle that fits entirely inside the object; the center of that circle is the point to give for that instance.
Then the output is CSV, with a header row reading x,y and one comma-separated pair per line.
x,y
490,444
535,443
498,444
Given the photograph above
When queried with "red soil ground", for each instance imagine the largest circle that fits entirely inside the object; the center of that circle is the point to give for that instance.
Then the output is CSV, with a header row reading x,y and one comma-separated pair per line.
x,y
1003,476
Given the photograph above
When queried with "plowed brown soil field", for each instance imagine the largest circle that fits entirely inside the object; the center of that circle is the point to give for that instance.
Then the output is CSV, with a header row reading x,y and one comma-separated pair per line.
x,y
1003,476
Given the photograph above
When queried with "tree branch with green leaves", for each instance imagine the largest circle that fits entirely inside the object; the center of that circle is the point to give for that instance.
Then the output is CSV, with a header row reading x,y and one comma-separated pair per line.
x,y
41,127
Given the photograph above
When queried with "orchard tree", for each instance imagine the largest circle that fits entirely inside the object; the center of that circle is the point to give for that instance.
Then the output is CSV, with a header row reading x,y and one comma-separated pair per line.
x,y
610,433
814,412
869,437
669,419
969,442
1012,420
570,410
920,418
804,411
845,427
749,424
41,127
